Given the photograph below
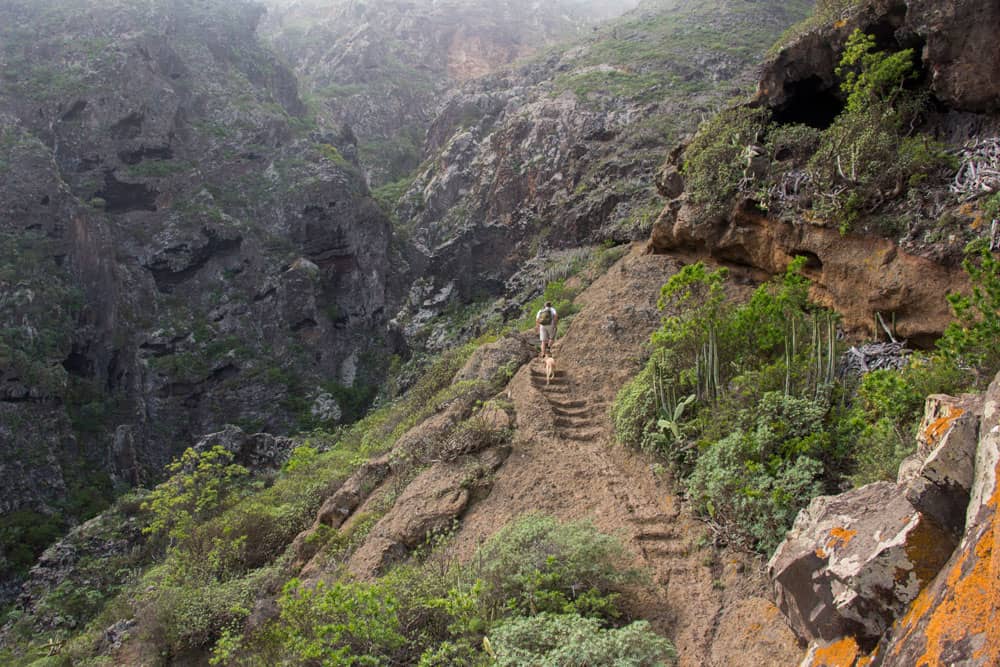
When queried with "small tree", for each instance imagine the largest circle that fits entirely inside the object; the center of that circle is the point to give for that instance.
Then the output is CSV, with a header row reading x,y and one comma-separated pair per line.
x,y
199,485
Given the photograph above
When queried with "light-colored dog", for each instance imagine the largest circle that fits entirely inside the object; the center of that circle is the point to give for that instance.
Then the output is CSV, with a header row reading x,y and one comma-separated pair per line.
x,y
550,368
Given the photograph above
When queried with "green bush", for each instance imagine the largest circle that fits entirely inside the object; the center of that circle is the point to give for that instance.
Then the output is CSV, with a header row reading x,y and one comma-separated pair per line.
x,y
24,534
715,163
537,564
198,486
971,340
888,408
339,624
756,479
635,409
570,640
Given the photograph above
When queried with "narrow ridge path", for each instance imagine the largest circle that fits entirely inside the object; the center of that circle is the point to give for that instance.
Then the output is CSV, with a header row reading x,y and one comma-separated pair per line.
x,y
565,462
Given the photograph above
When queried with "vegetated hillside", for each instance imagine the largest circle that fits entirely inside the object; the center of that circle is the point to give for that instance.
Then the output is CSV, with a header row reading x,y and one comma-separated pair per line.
x,y
181,247
563,148
381,68
870,148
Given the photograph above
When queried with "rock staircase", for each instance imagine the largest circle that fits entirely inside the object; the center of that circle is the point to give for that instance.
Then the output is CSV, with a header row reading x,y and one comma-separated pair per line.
x,y
574,418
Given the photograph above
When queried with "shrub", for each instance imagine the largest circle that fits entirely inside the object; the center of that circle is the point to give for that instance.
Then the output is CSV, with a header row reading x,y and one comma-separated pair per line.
x,y
338,624
571,640
715,163
756,479
634,410
971,340
888,409
868,76
198,487
537,564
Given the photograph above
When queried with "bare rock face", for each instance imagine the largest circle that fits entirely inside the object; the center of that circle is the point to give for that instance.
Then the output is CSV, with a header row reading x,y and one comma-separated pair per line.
x,y
339,506
510,353
954,617
956,620
256,451
851,563
941,486
855,275
428,505
181,246
564,150
960,51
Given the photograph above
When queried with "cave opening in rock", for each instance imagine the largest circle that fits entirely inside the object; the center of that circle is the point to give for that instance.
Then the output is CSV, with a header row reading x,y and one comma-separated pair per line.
x,y
810,102
79,364
122,197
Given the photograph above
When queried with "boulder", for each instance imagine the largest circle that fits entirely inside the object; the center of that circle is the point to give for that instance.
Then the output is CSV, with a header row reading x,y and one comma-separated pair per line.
x,y
339,506
491,362
956,619
852,563
256,451
357,487
429,504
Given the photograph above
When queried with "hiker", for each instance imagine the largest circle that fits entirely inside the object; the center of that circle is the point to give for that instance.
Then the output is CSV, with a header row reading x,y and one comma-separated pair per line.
x,y
547,319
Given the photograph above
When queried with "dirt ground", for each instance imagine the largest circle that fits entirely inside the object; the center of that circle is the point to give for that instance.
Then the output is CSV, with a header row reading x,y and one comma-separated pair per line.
x,y
565,462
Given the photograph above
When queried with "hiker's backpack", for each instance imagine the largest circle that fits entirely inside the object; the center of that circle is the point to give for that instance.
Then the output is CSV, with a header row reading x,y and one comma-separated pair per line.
x,y
545,318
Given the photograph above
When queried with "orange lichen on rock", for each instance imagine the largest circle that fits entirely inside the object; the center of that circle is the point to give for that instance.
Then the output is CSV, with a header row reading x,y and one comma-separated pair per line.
x,y
966,608
840,537
993,633
844,653
939,427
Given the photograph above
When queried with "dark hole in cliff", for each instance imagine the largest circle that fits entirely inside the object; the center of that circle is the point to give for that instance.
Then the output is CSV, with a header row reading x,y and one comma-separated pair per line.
x,y
307,323
813,262
146,153
44,201
122,197
923,341
128,127
75,111
79,364
810,102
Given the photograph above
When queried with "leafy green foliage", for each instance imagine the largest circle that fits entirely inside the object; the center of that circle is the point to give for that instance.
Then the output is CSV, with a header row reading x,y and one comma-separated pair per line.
x,y
715,163
199,484
870,155
340,624
570,640
437,612
737,397
538,564
23,536
759,476
971,339
868,75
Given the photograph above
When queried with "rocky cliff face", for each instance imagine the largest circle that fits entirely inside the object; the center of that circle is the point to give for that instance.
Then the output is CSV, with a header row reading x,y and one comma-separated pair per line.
x,y
381,68
181,245
563,149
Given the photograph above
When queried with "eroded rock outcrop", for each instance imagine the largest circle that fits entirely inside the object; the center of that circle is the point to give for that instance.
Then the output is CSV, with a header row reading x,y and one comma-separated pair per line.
x,y
941,606
852,563
857,276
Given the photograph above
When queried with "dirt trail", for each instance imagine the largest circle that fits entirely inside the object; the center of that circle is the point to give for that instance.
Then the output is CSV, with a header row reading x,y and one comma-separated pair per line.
x,y
566,463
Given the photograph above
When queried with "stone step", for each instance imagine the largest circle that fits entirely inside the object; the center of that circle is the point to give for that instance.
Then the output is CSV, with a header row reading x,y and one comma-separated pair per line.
x,y
568,405
573,422
581,436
